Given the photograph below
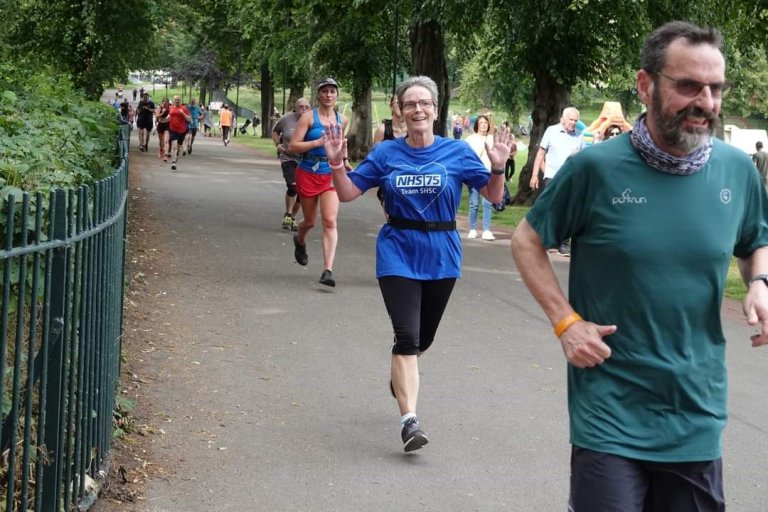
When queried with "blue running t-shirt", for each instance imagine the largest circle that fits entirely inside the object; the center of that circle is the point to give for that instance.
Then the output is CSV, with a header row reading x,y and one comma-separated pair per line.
x,y
422,184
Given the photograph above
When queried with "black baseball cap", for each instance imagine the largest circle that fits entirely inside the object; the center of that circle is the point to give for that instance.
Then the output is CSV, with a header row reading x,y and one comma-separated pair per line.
x,y
327,81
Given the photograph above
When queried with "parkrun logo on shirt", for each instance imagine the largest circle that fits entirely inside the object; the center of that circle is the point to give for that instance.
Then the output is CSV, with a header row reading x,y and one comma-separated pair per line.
x,y
627,198
419,183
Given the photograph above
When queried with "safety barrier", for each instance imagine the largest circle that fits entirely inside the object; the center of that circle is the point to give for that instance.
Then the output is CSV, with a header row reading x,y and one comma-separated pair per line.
x,y
62,264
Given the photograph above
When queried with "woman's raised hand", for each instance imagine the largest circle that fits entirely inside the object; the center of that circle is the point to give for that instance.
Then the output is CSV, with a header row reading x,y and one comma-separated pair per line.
x,y
502,146
334,143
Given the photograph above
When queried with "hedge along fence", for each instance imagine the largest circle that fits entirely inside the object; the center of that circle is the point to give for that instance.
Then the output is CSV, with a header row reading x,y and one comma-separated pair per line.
x,y
62,265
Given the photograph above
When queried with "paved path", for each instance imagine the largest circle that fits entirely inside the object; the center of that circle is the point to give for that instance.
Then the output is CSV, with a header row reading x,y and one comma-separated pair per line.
x,y
275,396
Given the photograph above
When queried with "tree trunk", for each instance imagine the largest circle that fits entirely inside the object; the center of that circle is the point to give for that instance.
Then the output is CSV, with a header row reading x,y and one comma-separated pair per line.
x,y
203,95
428,58
267,101
359,138
296,92
549,100
296,86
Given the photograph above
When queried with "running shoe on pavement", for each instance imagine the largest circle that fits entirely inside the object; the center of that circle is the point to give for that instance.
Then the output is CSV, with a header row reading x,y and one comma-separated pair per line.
x,y
413,437
300,251
326,278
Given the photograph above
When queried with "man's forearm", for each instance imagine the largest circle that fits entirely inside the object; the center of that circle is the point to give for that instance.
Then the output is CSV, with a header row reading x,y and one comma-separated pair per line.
x,y
537,161
537,272
756,263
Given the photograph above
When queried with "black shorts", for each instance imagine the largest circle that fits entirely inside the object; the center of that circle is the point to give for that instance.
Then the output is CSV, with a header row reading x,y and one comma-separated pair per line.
x,y
289,172
162,127
145,124
193,131
601,482
176,136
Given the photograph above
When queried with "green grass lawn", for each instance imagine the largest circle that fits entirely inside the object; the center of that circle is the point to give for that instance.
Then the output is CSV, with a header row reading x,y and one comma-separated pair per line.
x,y
734,286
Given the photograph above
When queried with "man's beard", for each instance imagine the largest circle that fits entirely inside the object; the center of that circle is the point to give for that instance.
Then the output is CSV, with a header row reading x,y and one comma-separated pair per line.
x,y
671,131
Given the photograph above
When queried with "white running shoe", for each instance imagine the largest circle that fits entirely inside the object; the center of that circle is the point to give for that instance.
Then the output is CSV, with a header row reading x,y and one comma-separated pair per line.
x,y
472,233
487,235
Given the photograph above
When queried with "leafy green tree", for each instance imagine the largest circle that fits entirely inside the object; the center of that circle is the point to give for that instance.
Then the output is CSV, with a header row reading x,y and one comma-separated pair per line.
x,y
748,96
200,69
279,40
488,82
293,45
561,44
93,42
433,23
357,51
558,46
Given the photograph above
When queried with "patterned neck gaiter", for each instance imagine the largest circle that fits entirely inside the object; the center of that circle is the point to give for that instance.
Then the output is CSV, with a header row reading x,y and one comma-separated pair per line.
x,y
663,161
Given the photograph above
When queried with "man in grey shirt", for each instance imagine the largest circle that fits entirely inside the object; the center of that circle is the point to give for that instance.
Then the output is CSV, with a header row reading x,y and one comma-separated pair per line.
x,y
281,136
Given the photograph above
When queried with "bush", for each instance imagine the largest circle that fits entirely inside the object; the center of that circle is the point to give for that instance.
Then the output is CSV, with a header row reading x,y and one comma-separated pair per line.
x,y
50,137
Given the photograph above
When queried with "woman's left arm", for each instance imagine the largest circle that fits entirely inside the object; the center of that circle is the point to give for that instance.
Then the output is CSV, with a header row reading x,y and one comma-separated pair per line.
x,y
498,153
335,149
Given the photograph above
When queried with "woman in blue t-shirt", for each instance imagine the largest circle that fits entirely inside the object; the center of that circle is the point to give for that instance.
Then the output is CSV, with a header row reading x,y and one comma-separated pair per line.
x,y
418,250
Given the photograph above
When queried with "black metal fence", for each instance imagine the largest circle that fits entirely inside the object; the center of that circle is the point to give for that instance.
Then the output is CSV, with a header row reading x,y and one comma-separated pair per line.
x,y
62,265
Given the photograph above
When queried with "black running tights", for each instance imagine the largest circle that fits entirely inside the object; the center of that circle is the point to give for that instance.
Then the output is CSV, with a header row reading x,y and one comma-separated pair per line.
x,y
415,308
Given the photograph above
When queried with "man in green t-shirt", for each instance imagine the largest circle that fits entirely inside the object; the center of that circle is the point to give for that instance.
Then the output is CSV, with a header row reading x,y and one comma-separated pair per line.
x,y
655,216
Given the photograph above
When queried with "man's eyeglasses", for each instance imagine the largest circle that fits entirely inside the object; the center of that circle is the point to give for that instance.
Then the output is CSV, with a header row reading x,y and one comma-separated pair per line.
x,y
409,106
691,88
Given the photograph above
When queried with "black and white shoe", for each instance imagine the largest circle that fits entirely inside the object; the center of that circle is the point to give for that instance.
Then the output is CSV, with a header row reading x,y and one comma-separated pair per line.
x,y
326,278
413,437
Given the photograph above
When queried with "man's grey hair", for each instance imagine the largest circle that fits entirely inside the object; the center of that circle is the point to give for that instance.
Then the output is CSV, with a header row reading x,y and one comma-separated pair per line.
x,y
570,110
654,56
421,81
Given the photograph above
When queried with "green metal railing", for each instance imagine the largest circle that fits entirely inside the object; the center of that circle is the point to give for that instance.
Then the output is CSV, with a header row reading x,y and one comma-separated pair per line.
x,y
62,264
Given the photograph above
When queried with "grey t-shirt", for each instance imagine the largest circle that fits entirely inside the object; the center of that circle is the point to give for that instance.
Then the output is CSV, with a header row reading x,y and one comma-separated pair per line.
x,y
285,127
207,118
